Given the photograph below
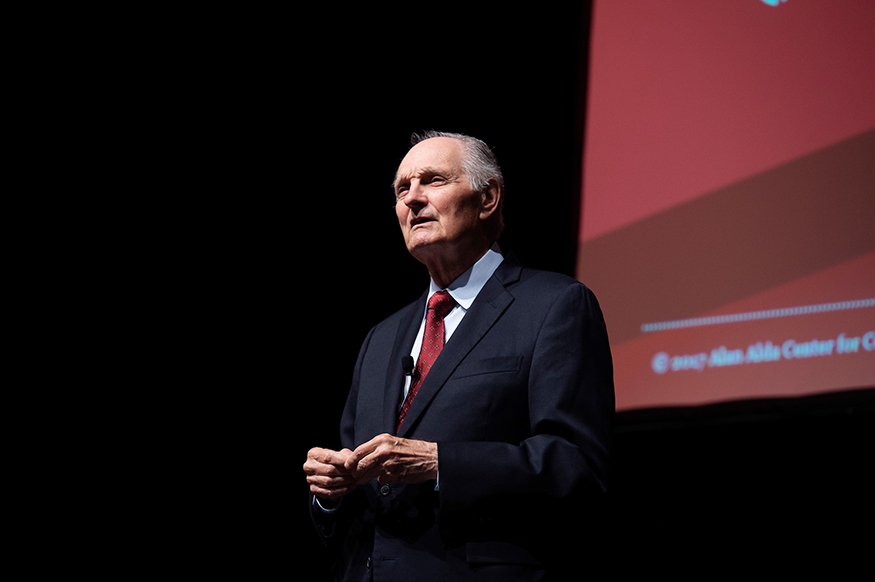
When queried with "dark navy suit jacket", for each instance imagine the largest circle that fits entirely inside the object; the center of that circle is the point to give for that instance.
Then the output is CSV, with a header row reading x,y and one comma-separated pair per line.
x,y
520,402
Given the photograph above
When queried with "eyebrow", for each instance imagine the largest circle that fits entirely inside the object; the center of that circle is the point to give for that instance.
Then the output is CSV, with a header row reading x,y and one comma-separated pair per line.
x,y
429,170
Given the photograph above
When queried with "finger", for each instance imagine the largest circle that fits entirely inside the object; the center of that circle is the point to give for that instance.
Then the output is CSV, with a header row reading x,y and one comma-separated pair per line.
x,y
328,457
338,458
379,444
374,465
316,468
313,467
355,457
326,482
326,461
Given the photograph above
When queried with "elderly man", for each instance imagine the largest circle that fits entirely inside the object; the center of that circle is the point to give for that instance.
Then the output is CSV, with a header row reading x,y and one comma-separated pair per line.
x,y
476,432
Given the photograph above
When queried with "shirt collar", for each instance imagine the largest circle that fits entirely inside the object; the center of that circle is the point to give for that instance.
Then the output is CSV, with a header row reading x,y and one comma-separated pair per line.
x,y
466,288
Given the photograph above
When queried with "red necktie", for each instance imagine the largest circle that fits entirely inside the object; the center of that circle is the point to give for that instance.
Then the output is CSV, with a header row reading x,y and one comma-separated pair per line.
x,y
439,305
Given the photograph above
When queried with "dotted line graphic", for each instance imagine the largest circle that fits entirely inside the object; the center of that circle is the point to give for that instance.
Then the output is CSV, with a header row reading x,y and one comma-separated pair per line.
x,y
758,315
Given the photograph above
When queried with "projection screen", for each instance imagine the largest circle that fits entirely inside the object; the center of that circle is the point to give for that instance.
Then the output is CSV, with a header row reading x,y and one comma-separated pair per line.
x,y
728,192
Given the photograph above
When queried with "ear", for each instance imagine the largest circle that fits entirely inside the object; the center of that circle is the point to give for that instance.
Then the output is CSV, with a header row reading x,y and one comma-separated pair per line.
x,y
490,199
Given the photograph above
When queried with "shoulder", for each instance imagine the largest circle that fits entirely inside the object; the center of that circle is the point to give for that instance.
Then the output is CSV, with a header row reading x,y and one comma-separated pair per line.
x,y
549,281
526,282
548,293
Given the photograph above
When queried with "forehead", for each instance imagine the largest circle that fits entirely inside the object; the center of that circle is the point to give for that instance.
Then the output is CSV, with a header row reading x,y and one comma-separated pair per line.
x,y
442,153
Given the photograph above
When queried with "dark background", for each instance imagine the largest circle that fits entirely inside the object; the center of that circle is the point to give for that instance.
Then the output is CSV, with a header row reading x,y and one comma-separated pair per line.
x,y
755,487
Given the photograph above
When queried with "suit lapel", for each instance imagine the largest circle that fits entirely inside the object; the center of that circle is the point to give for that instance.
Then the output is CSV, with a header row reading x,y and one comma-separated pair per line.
x,y
404,338
489,305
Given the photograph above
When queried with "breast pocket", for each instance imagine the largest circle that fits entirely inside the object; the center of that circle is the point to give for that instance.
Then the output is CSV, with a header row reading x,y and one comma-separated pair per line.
x,y
501,365
482,398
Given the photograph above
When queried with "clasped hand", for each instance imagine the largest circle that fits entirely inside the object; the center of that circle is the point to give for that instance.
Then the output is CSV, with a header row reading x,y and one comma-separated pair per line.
x,y
387,458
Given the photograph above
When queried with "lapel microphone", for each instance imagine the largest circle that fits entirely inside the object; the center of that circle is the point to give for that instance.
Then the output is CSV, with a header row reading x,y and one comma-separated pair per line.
x,y
407,365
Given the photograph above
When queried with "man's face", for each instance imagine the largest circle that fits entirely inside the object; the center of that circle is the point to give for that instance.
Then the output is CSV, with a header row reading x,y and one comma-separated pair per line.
x,y
436,207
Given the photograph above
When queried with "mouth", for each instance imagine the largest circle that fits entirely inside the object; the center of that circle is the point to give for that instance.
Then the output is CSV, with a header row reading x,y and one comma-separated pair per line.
x,y
420,220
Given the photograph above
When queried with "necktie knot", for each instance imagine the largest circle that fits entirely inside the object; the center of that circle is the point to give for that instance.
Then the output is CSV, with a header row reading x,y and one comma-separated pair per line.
x,y
442,303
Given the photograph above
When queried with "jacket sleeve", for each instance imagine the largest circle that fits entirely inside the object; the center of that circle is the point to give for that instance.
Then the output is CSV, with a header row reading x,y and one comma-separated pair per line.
x,y
571,407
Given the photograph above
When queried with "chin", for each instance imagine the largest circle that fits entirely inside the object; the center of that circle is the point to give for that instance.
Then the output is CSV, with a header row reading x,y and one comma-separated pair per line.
x,y
420,239
421,248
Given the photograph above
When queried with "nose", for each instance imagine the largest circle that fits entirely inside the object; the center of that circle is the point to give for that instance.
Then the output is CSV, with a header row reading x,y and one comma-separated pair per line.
x,y
416,196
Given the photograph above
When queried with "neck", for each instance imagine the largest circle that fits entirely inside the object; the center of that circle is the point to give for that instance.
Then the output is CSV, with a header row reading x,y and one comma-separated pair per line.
x,y
446,269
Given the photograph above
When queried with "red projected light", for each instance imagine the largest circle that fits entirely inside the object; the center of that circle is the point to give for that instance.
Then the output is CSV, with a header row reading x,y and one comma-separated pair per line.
x,y
729,197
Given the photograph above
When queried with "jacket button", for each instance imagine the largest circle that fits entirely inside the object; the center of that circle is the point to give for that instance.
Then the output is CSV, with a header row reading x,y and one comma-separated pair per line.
x,y
385,490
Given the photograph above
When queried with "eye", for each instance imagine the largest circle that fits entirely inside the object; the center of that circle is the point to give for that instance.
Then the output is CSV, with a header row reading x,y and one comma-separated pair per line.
x,y
401,191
